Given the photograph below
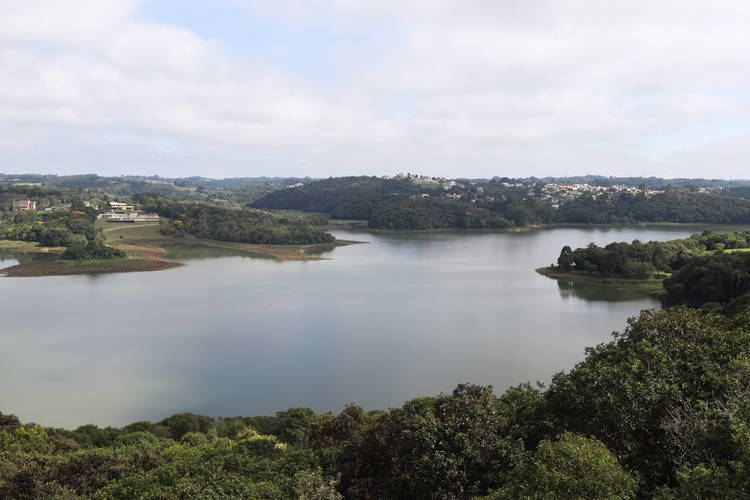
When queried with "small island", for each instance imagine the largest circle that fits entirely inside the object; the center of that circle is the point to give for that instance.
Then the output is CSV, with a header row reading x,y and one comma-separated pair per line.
x,y
708,270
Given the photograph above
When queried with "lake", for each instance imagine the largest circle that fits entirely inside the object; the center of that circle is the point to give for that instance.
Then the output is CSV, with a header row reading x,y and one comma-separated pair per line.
x,y
404,315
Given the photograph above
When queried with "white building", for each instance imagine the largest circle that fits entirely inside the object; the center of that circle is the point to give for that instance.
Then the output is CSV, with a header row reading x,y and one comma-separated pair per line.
x,y
116,205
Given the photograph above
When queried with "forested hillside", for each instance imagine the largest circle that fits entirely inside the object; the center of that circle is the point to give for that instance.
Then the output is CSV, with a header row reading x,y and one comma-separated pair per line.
x,y
404,204
341,195
670,206
49,190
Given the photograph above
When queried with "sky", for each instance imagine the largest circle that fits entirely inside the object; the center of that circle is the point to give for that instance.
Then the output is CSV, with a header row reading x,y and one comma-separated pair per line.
x,y
470,88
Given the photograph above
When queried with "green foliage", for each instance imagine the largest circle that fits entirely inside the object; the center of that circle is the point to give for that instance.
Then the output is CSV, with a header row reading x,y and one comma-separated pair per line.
x,y
49,228
625,393
337,430
291,426
454,450
138,438
55,237
253,466
726,476
571,467
140,464
642,260
682,206
312,485
246,225
182,423
347,197
525,414
94,248
9,422
92,436
712,278
74,229
30,439
438,213
400,204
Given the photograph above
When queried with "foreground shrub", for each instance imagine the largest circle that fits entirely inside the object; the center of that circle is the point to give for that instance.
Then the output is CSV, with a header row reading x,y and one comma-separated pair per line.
x,y
571,467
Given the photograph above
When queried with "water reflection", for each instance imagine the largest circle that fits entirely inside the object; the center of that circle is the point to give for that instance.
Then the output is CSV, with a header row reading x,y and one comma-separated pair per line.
x,y
198,251
10,257
576,289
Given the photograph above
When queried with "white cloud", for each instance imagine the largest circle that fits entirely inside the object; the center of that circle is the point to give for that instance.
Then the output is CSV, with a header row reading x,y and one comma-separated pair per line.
x,y
68,23
476,88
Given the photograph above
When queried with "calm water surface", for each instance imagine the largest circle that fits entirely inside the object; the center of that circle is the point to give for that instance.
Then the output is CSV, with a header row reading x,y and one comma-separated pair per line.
x,y
379,323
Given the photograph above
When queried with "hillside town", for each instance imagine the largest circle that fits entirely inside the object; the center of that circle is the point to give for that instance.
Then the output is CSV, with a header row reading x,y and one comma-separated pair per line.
x,y
551,193
554,194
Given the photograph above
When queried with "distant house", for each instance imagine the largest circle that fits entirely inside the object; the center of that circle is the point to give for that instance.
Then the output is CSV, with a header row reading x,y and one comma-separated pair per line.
x,y
116,205
24,205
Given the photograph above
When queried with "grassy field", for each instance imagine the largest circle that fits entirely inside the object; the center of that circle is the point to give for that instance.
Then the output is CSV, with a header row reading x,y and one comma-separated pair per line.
x,y
130,231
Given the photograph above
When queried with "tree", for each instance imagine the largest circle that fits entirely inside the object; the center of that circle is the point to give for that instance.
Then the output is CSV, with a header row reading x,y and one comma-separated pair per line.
x,y
55,237
76,203
565,260
454,449
625,391
572,467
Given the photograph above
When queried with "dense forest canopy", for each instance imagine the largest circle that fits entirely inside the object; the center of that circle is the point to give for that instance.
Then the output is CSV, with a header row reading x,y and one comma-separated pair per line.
x,y
670,206
242,225
719,282
642,260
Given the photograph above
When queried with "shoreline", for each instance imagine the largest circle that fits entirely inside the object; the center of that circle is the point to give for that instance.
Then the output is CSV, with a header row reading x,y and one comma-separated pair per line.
x,y
139,259
361,225
147,255
653,287
278,252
